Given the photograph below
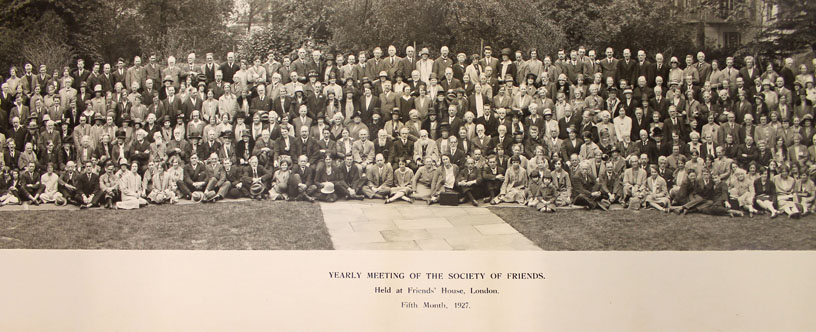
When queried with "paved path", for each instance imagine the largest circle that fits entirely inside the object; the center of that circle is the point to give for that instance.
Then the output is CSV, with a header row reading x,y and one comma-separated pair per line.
x,y
402,226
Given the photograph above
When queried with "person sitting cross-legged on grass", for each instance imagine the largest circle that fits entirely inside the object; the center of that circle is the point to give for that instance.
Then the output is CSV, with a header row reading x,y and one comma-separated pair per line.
x,y
741,192
469,182
403,176
130,187
657,193
515,181
765,193
543,191
379,178
444,180
785,192
586,190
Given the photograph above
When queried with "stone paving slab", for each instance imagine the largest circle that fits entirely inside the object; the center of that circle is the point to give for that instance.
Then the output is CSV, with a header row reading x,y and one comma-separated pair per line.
x,y
404,226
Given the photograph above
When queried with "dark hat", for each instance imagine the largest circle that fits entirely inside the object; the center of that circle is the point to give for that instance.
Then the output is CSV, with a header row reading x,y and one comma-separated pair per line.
x,y
612,89
121,134
365,80
329,56
657,131
506,51
83,84
432,113
195,136
531,75
760,96
166,118
264,116
460,90
347,90
488,48
313,73
68,140
227,133
127,119
396,111
240,115
245,132
444,127
201,77
98,117
451,92
167,78
432,76
180,116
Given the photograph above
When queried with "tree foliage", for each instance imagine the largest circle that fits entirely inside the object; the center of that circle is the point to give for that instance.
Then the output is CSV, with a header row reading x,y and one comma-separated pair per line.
x,y
792,30
104,30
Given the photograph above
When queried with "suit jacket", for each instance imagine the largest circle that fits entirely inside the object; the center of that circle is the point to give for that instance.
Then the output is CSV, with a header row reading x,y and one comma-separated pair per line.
x,y
748,76
626,70
584,184
86,185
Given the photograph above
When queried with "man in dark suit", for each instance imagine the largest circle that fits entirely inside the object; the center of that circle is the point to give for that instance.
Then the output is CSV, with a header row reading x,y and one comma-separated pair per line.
x,y
369,103
349,181
469,182
230,67
234,175
305,145
80,74
750,72
87,187
586,190
674,124
254,173
661,69
609,65
450,82
172,105
195,177
626,67
30,186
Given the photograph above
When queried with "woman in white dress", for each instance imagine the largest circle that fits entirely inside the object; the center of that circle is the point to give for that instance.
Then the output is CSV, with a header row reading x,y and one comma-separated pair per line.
x,y
51,193
130,187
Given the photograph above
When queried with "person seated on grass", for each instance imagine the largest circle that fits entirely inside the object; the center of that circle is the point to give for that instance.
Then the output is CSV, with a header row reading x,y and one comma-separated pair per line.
x,y
611,182
130,187
741,192
279,188
109,185
302,181
543,198
444,179
379,178
349,182
234,175
9,184
492,178
30,187
423,179
586,190
160,191
217,184
634,184
403,177
513,188
785,186
563,184
469,182
255,179
50,182
805,190
324,175
656,191
765,193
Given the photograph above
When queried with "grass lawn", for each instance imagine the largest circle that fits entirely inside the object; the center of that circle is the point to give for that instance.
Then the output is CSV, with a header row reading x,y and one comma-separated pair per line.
x,y
223,226
651,230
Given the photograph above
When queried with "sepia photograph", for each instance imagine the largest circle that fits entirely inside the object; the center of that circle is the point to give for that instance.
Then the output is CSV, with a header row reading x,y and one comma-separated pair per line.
x,y
507,126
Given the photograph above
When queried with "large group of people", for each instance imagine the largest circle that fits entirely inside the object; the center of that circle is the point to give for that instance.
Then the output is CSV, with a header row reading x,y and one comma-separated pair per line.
x,y
581,128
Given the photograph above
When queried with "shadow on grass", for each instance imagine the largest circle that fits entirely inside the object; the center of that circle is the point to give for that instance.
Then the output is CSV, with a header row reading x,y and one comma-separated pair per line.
x,y
223,226
651,230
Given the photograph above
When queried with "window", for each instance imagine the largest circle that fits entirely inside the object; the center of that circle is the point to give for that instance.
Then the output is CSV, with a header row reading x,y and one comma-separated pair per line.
x,y
732,39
